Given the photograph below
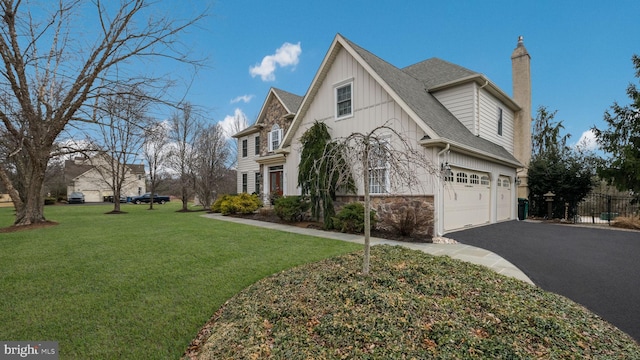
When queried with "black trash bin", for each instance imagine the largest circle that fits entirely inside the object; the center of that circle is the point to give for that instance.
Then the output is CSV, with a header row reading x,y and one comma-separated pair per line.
x,y
523,208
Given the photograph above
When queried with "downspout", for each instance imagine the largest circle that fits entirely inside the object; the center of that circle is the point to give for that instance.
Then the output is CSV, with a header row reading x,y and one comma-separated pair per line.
x,y
486,82
440,224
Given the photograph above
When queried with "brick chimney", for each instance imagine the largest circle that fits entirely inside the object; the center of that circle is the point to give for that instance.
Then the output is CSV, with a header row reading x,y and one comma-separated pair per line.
x,y
521,77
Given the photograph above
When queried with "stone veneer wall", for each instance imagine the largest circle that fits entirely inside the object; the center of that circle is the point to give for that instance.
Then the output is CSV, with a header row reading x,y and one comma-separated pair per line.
x,y
274,114
391,210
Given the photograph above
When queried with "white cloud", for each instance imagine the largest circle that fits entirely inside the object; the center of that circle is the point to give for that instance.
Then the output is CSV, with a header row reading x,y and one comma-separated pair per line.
x,y
244,98
234,123
287,55
587,141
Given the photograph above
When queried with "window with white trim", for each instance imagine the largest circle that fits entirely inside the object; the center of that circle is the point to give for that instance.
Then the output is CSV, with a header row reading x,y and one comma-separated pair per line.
x,y
244,183
344,106
484,180
462,178
275,136
257,145
499,121
379,168
244,148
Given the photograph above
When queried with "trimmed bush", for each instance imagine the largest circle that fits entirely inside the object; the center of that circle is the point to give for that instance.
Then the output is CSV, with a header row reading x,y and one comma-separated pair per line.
x,y
291,208
216,205
351,218
237,204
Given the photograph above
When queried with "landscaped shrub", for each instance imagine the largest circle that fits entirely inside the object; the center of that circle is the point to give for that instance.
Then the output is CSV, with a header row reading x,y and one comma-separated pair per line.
x,y
237,204
291,208
216,205
49,200
351,218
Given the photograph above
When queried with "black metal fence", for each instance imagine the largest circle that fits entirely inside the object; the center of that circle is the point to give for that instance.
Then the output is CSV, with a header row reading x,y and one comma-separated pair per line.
x,y
604,209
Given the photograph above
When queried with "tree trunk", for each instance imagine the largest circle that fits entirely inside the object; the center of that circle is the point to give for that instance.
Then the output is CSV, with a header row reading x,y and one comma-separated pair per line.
x,y
367,212
30,208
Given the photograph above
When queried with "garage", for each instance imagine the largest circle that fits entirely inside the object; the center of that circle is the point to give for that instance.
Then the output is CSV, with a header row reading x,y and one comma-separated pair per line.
x,y
467,199
504,202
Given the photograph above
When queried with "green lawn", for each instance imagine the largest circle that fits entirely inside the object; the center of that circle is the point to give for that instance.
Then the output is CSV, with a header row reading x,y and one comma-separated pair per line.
x,y
133,286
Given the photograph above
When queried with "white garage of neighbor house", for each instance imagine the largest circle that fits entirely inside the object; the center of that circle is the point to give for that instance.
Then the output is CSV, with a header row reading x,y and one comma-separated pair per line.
x,y
476,134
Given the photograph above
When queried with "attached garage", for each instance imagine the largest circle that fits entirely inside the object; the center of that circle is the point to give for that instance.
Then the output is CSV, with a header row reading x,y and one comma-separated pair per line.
x,y
505,203
467,199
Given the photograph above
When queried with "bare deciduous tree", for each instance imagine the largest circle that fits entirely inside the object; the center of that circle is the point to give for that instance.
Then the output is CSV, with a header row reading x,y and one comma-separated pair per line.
x,y
154,153
184,126
51,74
121,118
211,156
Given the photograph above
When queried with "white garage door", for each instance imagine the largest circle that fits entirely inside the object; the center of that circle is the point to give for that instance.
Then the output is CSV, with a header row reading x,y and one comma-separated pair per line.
x,y
505,203
467,199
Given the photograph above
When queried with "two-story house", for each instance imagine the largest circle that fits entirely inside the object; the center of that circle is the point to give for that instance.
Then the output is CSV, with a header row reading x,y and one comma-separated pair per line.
x,y
260,168
462,122
92,177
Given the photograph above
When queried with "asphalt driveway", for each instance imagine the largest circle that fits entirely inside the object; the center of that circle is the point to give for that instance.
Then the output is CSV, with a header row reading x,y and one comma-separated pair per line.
x,y
598,268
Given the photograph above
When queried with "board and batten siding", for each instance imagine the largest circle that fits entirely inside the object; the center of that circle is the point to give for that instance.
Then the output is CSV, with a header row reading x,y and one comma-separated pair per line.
x,y
461,102
372,107
488,126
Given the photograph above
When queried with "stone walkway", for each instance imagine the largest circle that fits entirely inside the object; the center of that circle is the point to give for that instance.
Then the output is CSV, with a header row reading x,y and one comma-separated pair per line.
x,y
462,252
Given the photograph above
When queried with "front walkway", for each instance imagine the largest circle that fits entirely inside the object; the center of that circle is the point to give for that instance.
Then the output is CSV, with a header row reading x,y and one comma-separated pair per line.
x,y
462,252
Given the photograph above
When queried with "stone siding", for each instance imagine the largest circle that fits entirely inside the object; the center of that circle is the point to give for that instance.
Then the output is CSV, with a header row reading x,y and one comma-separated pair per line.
x,y
274,114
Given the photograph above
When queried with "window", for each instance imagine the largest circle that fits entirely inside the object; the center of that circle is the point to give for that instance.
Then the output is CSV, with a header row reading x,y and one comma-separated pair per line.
x,y
343,101
275,136
244,148
499,121
461,178
244,183
378,169
474,179
257,145
484,180
257,189
505,183
499,183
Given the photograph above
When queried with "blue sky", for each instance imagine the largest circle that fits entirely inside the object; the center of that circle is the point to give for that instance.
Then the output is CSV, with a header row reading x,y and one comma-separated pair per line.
x,y
581,50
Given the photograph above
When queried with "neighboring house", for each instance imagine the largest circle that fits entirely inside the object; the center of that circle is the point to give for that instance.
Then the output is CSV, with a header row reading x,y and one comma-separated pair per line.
x,y
260,168
91,177
463,123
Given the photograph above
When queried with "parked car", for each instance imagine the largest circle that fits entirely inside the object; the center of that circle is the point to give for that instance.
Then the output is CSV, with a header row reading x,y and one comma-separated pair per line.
x,y
75,198
123,199
146,198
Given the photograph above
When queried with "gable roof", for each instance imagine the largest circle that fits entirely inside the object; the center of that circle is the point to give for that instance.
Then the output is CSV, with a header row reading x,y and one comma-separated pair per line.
x,y
291,103
72,169
411,89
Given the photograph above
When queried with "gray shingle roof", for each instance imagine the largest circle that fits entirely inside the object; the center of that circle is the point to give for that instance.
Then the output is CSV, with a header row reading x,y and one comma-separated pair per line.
x,y
411,84
290,101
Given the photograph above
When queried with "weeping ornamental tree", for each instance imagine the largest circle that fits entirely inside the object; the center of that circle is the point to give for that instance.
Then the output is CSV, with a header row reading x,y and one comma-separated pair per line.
x,y
382,158
52,74
321,172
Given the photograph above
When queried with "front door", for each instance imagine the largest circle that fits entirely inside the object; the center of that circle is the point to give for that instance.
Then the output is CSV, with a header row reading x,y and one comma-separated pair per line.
x,y
275,180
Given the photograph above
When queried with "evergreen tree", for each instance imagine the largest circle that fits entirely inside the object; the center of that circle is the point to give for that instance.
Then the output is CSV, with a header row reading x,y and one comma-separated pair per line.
x,y
621,140
557,168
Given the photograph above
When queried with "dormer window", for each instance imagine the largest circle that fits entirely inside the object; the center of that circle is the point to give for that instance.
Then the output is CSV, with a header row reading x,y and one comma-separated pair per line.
x,y
344,106
275,136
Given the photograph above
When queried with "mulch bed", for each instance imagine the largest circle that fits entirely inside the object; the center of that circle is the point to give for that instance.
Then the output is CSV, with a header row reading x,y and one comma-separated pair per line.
x,y
271,217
